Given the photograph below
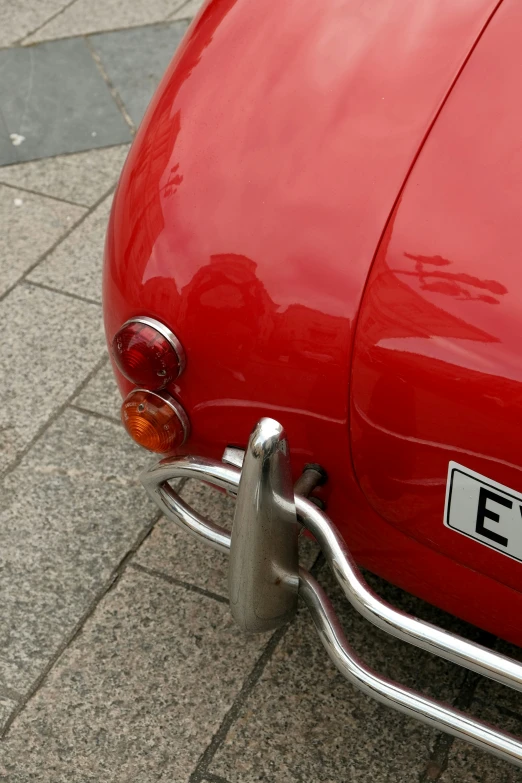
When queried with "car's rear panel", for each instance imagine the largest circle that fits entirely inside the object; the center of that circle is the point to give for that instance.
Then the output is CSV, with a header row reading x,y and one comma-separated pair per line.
x,y
247,217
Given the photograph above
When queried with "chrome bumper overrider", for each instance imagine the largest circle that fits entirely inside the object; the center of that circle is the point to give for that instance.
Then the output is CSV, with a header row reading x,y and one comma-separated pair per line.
x,y
265,579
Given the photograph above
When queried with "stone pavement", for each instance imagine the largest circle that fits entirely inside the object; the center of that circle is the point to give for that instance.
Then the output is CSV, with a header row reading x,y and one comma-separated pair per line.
x,y
118,657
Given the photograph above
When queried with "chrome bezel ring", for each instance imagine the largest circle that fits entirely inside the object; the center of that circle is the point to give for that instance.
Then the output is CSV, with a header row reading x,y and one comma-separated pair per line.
x,y
166,333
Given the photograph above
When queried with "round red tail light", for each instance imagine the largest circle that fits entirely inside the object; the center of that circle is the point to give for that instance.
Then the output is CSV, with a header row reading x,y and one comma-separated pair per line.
x,y
148,353
155,421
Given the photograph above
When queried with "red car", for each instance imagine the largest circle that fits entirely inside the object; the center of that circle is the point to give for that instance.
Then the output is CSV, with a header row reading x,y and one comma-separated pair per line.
x,y
313,283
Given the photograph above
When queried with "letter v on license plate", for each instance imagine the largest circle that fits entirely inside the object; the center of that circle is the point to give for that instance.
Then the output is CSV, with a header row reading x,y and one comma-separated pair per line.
x,y
484,510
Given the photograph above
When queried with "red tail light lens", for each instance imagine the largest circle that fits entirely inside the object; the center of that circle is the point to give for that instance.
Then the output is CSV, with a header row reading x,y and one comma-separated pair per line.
x,y
155,421
148,353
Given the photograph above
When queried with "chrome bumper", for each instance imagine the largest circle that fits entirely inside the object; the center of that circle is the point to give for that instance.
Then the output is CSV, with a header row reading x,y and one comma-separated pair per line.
x,y
265,580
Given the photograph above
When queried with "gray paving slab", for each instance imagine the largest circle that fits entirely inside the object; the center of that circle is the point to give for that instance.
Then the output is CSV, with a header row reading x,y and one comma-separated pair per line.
x,y
171,551
29,226
18,19
209,779
501,707
90,16
136,59
50,343
469,765
7,707
70,512
101,394
75,266
139,694
304,722
54,96
82,177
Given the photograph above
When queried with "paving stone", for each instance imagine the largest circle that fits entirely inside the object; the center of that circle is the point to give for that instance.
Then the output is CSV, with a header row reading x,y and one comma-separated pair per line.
x,y
76,264
29,225
304,722
172,551
101,395
7,707
91,16
188,10
70,512
139,694
136,59
82,177
20,17
49,345
54,96
501,707
470,765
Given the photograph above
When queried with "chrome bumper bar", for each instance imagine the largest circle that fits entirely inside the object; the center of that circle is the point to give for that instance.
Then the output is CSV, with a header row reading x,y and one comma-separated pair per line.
x,y
264,580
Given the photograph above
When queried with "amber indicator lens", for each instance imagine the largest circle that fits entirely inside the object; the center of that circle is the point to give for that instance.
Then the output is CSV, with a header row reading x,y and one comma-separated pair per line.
x,y
157,422
146,356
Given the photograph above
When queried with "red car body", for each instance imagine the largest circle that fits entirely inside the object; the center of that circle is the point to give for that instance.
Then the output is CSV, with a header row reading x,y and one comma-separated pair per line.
x,y
323,204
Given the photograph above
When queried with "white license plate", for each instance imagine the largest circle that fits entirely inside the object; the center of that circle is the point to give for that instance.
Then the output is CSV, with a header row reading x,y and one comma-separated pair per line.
x,y
485,510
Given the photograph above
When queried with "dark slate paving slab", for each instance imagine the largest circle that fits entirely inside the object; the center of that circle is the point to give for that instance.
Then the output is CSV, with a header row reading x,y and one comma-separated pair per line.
x,y
136,59
54,96
7,151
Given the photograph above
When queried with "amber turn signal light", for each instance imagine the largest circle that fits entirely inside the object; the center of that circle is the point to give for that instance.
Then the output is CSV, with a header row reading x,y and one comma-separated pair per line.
x,y
148,353
155,421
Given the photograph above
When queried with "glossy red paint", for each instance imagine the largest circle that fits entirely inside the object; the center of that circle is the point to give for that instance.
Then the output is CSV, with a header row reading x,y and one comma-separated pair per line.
x,y
437,373
247,217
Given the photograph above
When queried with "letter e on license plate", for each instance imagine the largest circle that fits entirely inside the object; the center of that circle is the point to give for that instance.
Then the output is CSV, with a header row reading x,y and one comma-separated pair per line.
x,y
485,510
